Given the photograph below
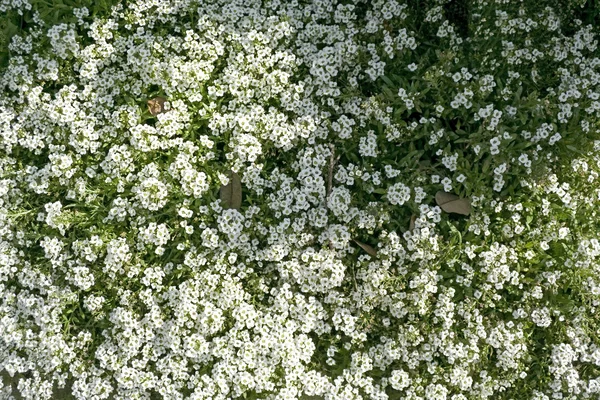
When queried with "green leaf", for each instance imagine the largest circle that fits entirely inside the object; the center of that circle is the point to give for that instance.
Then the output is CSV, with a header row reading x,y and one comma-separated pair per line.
x,y
455,231
388,92
518,93
486,165
413,155
573,148
387,81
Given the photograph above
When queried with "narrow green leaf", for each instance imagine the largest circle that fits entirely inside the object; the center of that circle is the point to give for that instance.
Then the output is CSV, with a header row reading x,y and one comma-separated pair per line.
x,y
573,148
456,232
486,165
387,80
518,94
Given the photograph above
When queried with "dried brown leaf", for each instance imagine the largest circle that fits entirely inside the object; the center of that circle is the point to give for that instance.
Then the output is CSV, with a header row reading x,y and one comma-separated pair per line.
x,y
411,225
370,250
156,105
231,194
451,203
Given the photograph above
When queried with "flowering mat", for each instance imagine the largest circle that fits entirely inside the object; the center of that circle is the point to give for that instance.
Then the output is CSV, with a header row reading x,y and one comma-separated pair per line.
x,y
300,199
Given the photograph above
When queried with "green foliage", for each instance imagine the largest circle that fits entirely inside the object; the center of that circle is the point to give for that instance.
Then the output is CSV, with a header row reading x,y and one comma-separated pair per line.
x,y
50,12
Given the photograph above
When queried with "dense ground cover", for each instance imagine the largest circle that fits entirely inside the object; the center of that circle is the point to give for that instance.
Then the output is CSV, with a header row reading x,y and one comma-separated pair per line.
x,y
300,199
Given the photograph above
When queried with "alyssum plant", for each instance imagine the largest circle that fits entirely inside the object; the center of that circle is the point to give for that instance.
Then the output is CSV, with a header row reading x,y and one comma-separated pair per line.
x,y
300,200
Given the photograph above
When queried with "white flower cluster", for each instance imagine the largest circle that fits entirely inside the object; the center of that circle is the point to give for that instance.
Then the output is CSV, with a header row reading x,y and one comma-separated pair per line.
x,y
157,235
127,271
63,40
151,193
398,194
368,145
19,5
314,271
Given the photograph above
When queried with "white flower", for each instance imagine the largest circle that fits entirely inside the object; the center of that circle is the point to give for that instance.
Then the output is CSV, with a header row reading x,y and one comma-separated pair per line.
x,y
368,145
554,138
398,194
541,317
450,161
210,238
563,232
447,182
399,379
